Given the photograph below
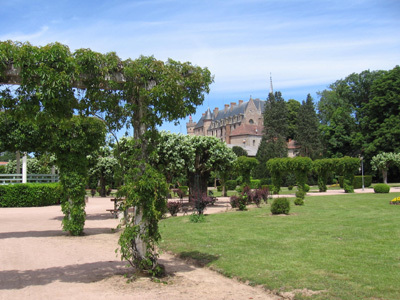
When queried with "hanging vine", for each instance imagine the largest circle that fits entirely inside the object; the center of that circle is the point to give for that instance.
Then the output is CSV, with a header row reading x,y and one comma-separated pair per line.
x,y
54,83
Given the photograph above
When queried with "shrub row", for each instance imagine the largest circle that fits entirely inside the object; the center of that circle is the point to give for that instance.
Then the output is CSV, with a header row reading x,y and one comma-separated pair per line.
x,y
30,194
357,182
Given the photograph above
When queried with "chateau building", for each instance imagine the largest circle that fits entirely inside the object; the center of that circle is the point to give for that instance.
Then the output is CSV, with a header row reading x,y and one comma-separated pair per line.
x,y
239,124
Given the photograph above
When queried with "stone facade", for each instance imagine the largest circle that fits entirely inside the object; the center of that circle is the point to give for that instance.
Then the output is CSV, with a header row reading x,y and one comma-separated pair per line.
x,y
238,124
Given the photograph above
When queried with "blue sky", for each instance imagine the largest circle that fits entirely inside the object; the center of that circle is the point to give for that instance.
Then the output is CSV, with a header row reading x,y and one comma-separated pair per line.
x,y
306,45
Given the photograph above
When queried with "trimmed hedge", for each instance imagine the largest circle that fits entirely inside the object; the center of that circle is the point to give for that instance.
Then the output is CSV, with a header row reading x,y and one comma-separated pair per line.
x,y
381,188
30,194
255,183
231,185
357,181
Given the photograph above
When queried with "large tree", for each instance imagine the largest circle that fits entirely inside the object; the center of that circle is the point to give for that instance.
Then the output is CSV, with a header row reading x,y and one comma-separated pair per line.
x,y
381,114
341,113
307,133
273,143
193,156
293,107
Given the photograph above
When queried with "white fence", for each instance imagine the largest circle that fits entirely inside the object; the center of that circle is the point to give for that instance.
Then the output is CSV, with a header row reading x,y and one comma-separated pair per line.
x,y
31,178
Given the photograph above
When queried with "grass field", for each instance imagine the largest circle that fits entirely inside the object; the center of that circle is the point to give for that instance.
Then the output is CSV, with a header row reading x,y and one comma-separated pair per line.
x,y
347,246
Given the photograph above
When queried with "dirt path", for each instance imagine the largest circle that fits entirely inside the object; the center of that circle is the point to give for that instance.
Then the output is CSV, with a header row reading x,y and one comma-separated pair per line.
x,y
39,261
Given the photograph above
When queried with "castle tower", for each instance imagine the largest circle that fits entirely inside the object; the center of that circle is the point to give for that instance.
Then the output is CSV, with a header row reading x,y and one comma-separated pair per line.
x,y
190,126
207,121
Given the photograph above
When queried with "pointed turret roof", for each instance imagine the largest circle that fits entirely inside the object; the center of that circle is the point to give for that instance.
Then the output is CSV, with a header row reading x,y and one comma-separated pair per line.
x,y
208,115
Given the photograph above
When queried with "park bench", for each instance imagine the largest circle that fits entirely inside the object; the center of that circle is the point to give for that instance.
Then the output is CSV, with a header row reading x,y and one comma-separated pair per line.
x,y
116,209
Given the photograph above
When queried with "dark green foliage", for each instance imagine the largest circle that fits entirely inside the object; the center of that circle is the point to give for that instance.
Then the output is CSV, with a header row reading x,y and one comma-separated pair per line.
x,y
239,151
290,180
380,114
293,107
231,185
3,170
146,190
381,188
273,143
301,166
307,133
342,109
300,194
219,188
278,167
358,181
30,194
243,166
280,206
323,168
347,166
255,184
299,201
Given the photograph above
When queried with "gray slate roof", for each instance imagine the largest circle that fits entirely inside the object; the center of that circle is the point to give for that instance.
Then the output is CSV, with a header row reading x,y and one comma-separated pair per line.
x,y
237,110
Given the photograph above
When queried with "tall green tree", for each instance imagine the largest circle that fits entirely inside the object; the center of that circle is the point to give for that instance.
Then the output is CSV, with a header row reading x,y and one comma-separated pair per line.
x,y
341,113
307,133
273,143
293,107
381,115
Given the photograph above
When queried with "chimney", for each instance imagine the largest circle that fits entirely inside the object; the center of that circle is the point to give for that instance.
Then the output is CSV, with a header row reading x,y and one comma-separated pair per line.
x,y
216,111
240,102
233,104
226,107
203,114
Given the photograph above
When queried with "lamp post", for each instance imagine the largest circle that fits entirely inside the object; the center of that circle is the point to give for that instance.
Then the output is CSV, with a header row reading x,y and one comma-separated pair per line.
x,y
362,172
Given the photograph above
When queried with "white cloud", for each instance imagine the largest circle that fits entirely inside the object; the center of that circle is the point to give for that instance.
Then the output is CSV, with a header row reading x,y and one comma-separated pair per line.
x,y
22,37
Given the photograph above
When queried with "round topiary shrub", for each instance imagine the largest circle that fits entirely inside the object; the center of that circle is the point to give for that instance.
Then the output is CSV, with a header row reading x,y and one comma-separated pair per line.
x,y
280,206
306,188
381,188
299,201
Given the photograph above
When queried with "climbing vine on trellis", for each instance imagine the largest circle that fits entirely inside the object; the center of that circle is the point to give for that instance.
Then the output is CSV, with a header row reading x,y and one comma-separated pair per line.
x,y
54,84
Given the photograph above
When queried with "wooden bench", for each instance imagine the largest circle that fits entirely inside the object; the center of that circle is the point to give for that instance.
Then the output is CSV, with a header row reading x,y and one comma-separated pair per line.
x,y
114,212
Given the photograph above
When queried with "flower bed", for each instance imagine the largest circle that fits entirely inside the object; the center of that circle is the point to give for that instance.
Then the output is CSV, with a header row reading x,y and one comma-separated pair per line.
x,y
395,201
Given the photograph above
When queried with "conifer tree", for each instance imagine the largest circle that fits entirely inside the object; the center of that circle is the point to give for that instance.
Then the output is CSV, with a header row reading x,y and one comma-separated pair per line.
x,y
307,134
273,143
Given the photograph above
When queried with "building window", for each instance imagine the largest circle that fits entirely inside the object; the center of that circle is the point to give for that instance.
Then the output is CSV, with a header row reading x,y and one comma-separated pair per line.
x,y
254,142
251,121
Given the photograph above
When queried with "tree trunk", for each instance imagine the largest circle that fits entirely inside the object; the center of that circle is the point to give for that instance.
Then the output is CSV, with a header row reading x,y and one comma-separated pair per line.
x,y
384,175
139,132
102,185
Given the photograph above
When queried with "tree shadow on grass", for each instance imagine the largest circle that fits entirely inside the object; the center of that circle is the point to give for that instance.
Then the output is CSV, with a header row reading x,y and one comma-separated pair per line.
x,y
83,273
198,258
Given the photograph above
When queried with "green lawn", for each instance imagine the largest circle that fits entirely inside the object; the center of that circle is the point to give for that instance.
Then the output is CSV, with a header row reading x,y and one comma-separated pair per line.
x,y
347,245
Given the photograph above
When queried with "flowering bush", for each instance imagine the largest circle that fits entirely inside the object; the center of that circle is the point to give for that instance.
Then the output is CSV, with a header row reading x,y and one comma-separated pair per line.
x,y
395,201
173,207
